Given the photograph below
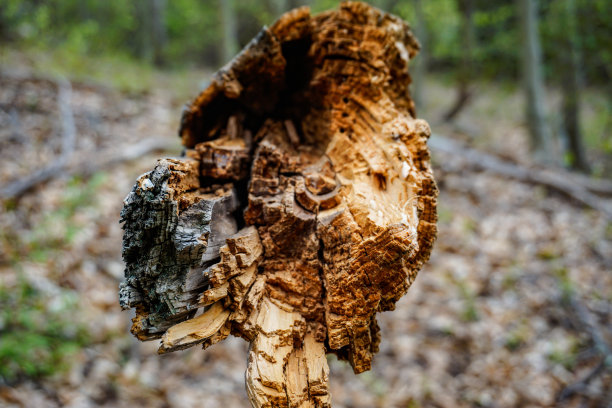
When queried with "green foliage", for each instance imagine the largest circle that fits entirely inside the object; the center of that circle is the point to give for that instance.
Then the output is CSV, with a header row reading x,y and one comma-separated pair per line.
x,y
510,279
593,26
114,41
194,32
80,26
566,356
375,384
57,229
413,404
37,333
497,38
469,312
565,284
517,337
445,214
442,20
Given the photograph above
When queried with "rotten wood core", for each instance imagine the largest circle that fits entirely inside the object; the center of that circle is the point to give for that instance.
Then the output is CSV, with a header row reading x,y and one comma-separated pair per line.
x,y
304,205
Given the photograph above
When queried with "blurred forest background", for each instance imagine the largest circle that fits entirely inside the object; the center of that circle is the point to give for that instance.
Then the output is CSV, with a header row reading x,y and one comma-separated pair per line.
x,y
513,309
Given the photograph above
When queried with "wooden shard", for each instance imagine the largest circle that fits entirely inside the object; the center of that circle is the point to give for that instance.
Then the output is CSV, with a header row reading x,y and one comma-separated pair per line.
x,y
304,206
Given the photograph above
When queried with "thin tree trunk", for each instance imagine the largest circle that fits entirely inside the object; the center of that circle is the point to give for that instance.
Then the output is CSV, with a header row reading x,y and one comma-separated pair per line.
x,y
420,66
468,40
144,43
230,35
571,92
389,5
4,22
158,30
540,136
298,3
280,6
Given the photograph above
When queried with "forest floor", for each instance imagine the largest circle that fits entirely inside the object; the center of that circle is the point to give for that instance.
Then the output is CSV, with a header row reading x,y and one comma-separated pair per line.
x,y
513,310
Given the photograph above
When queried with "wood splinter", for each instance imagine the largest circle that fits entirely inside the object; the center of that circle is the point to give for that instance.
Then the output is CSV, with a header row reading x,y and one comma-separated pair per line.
x,y
304,205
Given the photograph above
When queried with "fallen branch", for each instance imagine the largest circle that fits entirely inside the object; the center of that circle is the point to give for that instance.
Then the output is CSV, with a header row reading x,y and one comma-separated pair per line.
x,y
581,385
585,319
85,165
597,186
558,180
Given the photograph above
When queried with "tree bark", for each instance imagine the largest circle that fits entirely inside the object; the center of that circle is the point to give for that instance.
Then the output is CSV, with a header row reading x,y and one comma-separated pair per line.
x,y
540,137
304,206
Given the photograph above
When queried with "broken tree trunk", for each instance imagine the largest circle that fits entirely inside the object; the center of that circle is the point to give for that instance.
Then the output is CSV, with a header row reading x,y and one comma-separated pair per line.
x,y
304,205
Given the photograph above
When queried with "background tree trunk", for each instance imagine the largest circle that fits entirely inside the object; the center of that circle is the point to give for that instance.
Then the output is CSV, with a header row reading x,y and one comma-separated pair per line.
x,y
298,3
158,30
571,92
151,32
230,34
144,46
420,66
279,6
539,132
465,71
389,5
5,23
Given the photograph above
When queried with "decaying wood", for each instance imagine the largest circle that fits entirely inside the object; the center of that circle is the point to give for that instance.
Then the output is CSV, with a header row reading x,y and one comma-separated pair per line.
x,y
305,204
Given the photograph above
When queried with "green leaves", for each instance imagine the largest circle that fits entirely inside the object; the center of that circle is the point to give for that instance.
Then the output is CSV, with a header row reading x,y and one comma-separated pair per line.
x,y
36,340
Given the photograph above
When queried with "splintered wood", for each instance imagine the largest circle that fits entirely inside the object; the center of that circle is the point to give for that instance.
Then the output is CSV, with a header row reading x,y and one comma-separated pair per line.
x,y
304,205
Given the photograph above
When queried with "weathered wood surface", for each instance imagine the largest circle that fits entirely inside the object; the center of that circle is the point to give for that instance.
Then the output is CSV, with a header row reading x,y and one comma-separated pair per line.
x,y
305,204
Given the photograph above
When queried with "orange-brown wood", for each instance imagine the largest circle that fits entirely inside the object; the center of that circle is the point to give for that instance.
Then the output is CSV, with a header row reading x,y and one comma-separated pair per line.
x,y
306,204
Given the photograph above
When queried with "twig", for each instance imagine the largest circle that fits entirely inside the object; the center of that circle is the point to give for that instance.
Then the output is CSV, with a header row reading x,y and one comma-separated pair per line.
x,y
587,323
562,182
64,96
586,320
464,95
597,186
18,187
581,385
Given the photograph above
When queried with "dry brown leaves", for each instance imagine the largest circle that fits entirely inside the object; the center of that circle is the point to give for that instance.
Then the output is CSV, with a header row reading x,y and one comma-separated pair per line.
x,y
483,325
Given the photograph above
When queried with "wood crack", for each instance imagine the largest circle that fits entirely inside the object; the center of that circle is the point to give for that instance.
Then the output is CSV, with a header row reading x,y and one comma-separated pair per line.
x,y
289,222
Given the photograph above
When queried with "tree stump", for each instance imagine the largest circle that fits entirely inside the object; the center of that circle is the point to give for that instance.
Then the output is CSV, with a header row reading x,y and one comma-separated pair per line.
x,y
304,205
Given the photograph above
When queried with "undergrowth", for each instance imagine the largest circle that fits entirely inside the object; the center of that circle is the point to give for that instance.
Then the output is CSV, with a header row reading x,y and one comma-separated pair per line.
x,y
38,335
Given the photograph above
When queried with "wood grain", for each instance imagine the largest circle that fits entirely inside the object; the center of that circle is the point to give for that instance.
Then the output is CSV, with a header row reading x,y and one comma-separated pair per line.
x,y
305,204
